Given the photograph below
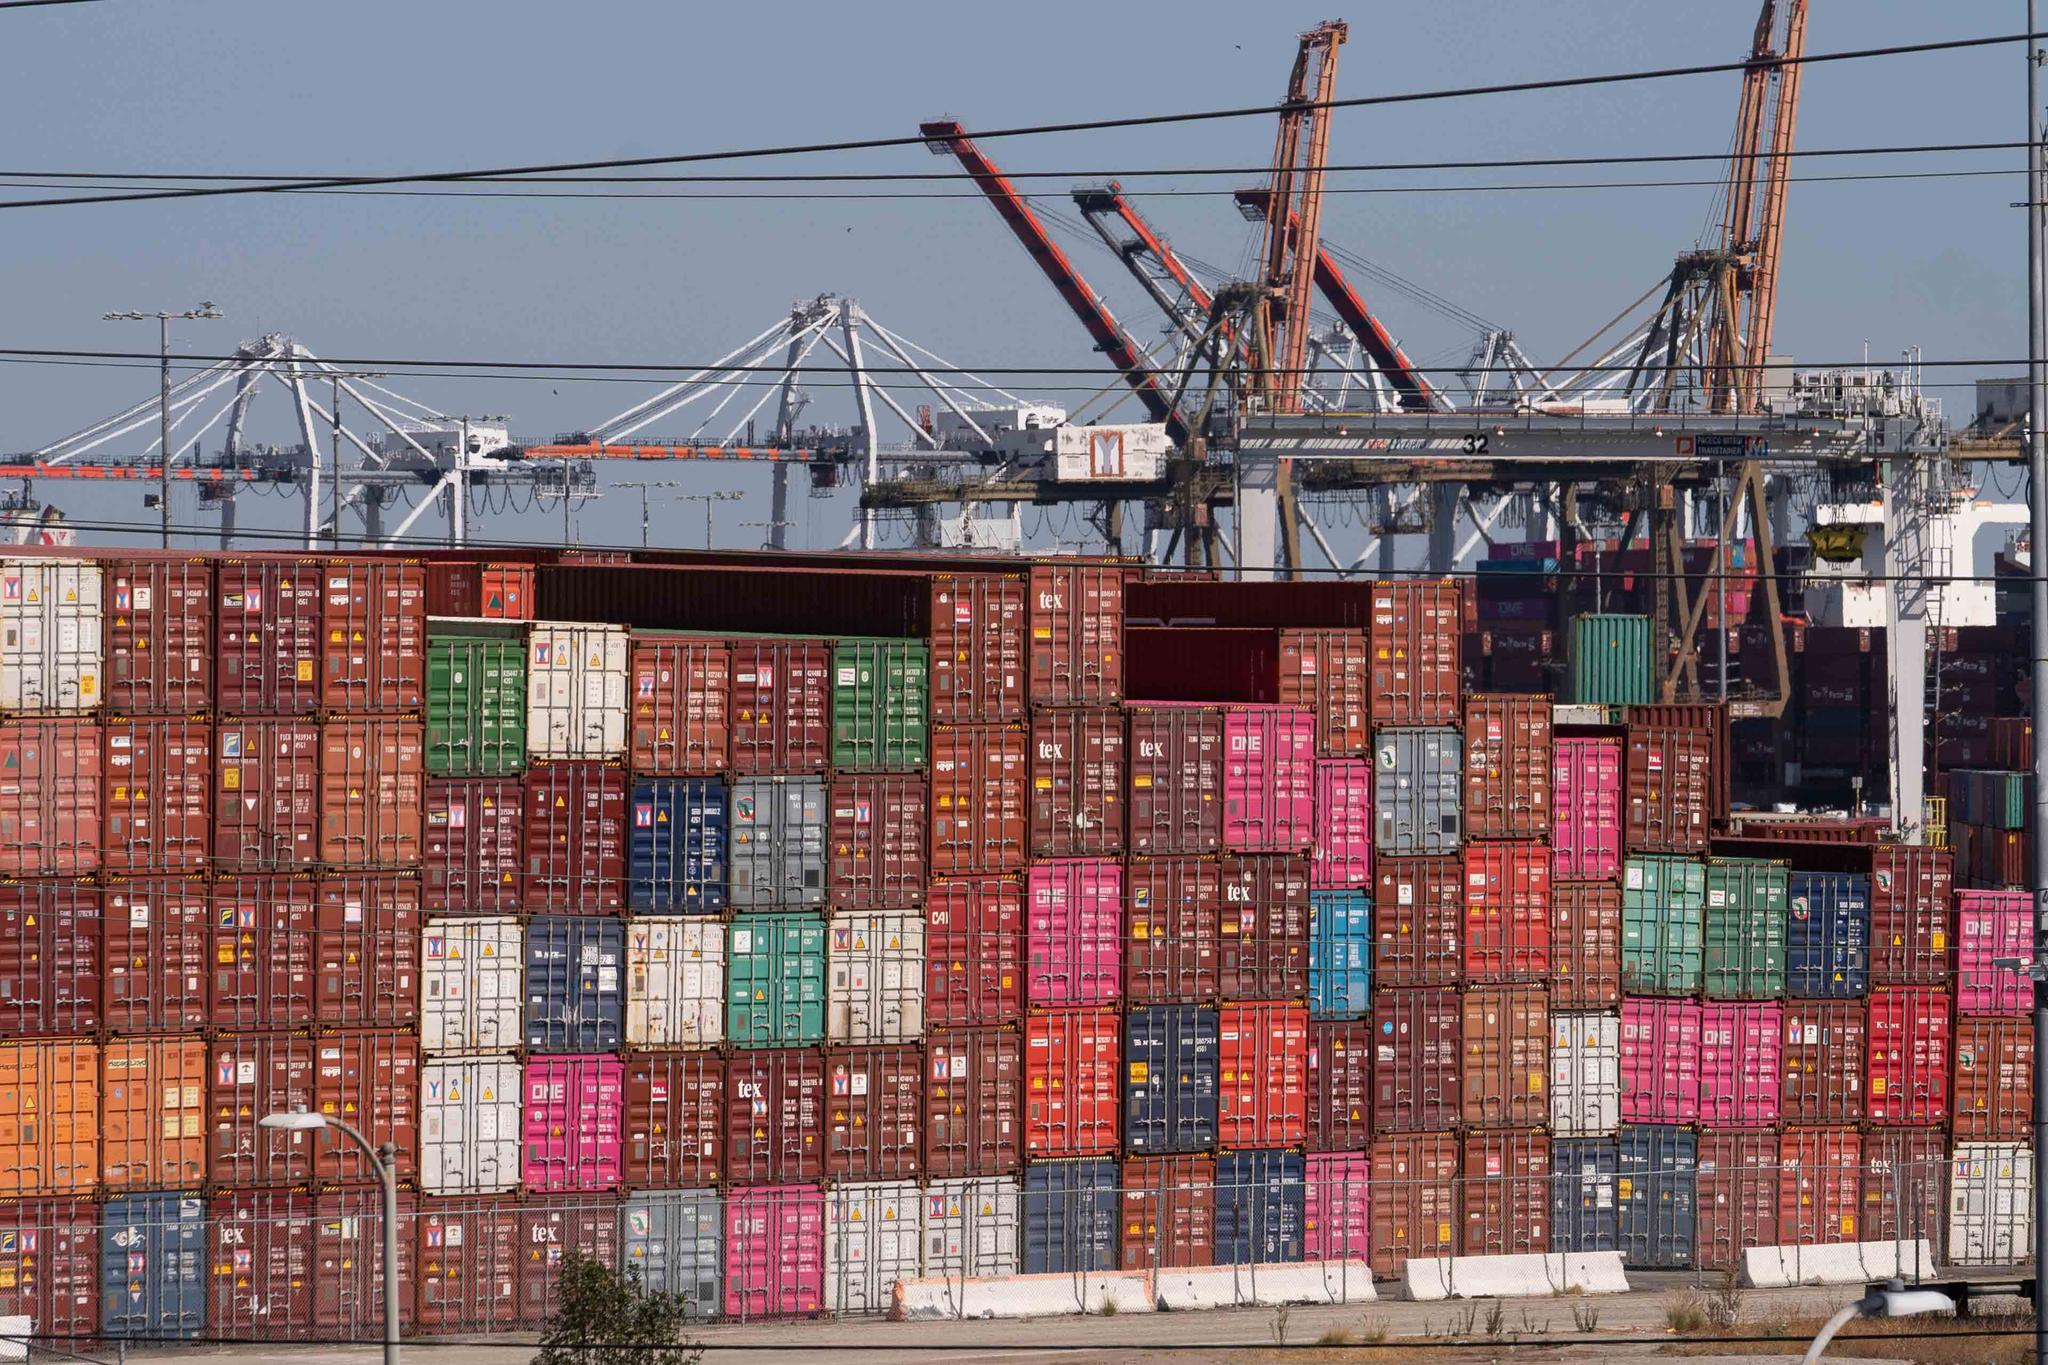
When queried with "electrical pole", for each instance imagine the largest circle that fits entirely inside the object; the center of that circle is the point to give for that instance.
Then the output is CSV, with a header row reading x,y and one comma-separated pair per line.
x,y
163,323
2037,574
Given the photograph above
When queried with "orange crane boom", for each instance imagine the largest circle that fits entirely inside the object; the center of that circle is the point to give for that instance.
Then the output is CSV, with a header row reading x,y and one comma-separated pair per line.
x,y
1292,238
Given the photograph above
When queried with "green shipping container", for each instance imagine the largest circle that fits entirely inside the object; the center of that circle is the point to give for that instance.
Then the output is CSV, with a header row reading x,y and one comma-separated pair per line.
x,y
775,981
1662,901
880,705
1747,903
476,698
1611,660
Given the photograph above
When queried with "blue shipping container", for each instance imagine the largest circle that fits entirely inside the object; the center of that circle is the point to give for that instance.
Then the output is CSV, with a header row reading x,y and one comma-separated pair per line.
x,y
676,858
1170,1079
575,984
1827,939
153,1266
1585,1214
1070,1216
1656,1181
1259,1207
675,1240
1339,955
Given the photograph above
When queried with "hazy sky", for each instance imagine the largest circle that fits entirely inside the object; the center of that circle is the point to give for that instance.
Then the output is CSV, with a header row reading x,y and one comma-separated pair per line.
x,y
379,85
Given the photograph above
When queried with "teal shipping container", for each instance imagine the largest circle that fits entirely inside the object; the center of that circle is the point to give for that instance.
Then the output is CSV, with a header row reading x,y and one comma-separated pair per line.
x,y
1339,955
1663,901
775,981
881,712
1610,658
1747,902
476,698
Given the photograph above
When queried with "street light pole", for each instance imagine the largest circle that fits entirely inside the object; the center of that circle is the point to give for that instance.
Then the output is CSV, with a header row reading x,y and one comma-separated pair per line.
x,y
2037,574
163,324
385,1159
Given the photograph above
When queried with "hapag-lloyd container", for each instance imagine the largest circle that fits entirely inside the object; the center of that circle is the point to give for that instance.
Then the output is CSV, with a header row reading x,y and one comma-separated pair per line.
x,y
1414,636
1507,1195
373,628
1176,799
157,776
1742,1064
775,1115
973,1117
777,832
1336,1209
977,648
50,945
1507,912
1991,1196
1419,922
871,1241
675,1118
575,691
1994,1081
781,706
1268,779
1656,1188
50,1265
1824,1060
1413,1195
1416,1060
676,850
1818,1186
1506,1041
366,950
1259,1207
152,1266
476,698
1261,1075
978,797
1663,904
877,970
472,984
575,839
1328,672
50,802
974,952
775,981
1827,941
1262,928
1585,945
1585,1074
874,1112
1070,1217
1077,771
1071,1084
1339,955
1418,790
262,952
1075,613
774,1251
971,1228
1670,776
1073,933
1341,857
1911,897
1586,799
372,780
1992,925
1339,1085
1168,1212
1744,928
159,635
1738,1196
473,847
675,983
268,616
152,1113
157,944
1660,1061
681,690
1908,1075
575,985
471,1124
877,831
1507,767
51,646
880,711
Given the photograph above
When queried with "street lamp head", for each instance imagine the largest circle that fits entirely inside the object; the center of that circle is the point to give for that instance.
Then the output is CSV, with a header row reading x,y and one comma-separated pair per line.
x,y
297,1121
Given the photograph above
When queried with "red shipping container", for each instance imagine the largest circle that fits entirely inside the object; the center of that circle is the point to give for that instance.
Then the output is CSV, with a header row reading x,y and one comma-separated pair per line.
x,y
1824,1059
1072,1089
266,809
874,1112
1172,922
1176,800
1341,859
1507,1195
157,786
50,959
1670,776
1994,1084
1506,1033
158,944
262,952
50,800
366,948
1507,912
1585,945
159,634
1738,1197
1414,637
1261,1075
1910,901
781,706
467,1255
260,1264
1742,1063
1660,1061
1507,768
1076,619
977,648
675,1119
370,1078
1414,1198
1905,1185
1262,937
50,1265
1819,1186
1417,1051
1328,672
775,1114
373,625
1338,1213
1268,779
974,952
877,824
681,690
978,799
774,1251
1418,920
1586,804
1909,1056
550,1230
254,1074
973,1110
1077,784
373,774
267,615
502,592
575,837
473,846
1340,1085
1167,1212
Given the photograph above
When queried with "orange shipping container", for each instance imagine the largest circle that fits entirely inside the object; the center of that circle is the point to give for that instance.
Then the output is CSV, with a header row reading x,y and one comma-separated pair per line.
x,y
49,797
682,686
1819,1185
1414,637
1326,672
153,1113
373,631
49,1117
1262,1075
372,792
1507,1057
978,799
1413,1193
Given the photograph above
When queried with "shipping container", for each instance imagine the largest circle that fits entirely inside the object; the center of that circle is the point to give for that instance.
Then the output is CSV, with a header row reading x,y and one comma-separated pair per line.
x,y
1414,638
1655,1184
372,808
472,985
1341,857
575,839
1340,1085
775,1110
1671,789
1506,1041
1908,1074
1413,1196
575,986
153,1266
1506,1186
1418,791
676,851
267,794
871,1241
50,822
1911,897
1585,1200
973,1102
1663,906
1416,1061
1268,779
1586,794
1073,933
251,1075
373,628
674,1242
1905,1185
1168,1212
1994,1078
573,1123
1660,1061
1260,1210
1419,922
476,698
781,706
1824,1060
370,1077
1507,767
1072,1087
1991,925
874,1117
1585,1074
1070,1217
877,978
1737,1197
366,950
501,592
157,939
1176,771
971,1228
879,824
778,836
152,1124
471,1124
681,691
551,1230
1328,672
159,634
1611,660
468,1256
473,846
776,981
1747,903
50,1267
1077,777
52,624
575,691
1075,614
1173,922
1337,1209
675,983
50,958
1507,912
979,802
880,704
157,789
1742,1064
268,658
1827,952
263,952
1819,1187
974,952
977,648
1262,1080
1991,1199
1263,928
1585,945
1170,1079
675,1118
1340,955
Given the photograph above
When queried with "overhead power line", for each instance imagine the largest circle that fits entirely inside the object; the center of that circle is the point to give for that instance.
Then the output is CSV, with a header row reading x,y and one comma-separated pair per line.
x,y
38,4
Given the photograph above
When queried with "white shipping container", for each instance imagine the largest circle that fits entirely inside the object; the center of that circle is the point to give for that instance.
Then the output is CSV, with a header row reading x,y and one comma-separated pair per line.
x,y
575,691
876,968
675,982
469,1125
1585,1075
1991,1204
970,1228
871,1241
472,983
51,634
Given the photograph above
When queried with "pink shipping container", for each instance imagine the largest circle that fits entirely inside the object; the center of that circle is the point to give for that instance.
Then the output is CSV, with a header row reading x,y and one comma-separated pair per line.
x,y
1991,925
1585,806
1074,932
1269,755
1660,1061
575,1107
1908,1075
1342,857
1742,1064
774,1251
1338,1216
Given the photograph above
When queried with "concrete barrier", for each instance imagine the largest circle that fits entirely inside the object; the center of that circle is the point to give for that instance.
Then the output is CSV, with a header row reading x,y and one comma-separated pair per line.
x,y
1023,1296
14,1334
1514,1277
1232,1286
1775,1267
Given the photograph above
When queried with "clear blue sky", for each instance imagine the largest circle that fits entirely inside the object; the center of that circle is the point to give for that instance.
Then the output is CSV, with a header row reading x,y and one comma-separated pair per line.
x,y
382,85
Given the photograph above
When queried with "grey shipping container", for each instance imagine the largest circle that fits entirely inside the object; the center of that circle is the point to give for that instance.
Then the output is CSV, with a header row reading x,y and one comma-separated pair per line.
x,y
675,1239
1585,1210
1418,790
1657,1183
1170,1079
1070,1210
777,843
1259,1207
575,984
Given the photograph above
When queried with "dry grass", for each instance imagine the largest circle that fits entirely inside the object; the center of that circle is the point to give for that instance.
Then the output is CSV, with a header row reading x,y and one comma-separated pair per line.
x,y
1925,1341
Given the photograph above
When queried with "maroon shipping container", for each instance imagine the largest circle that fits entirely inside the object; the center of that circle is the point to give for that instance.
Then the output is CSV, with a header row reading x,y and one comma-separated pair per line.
x,y
366,947
1905,1184
266,808
1911,897
1173,911
1994,1079
1413,1193
2012,743
1076,619
348,1279
1506,1035
1340,1085
1176,800
262,952
1909,1056
254,1074
473,846
1416,1060
260,1264
1077,784
1328,672
874,1112
1669,779
977,648
1414,637
1261,1075
681,691
675,1119
371,1078
1262,927
373,775
978,799
1738,1197
502,592
1507,1195
575,838
550,1230
1585,945
1167,1212
1819,1186
1180,664
974,952
267,618
781,706
1418,915
1703,718
877,825
50,800
50,959
1507,911
158,941
1507,768
50,1265
467,1254
157,786
973,1102
775,1115
373,627
159,634
1824,1059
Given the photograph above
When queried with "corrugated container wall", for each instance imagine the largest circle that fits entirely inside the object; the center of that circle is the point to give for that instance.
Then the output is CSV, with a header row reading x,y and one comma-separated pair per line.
x,y
152,1266
1506,1067
1077,783
1610,660
1744,924
973,1089
1268,779
1262,947
575,839
1076,620
157,785
1328,672
476,698
1909,1040
1419,922
1507,912
681,689
575,983
1586,796
871,1242
1655,1180
877,968
50,802
674,1240
971,1228
774,1251
1827,943
1994,1080
576,691
1172,923
1824,1060
1663,906
1414,637
1911,897
1337,1210
874,1112
158,953
781,706
1070,1217
159,635
977,648
1741,1064
1176,803
1991,925
775,1115
675,1118
776,981
1585,945
676,850
979,801
1260,1201
1738,1197
778,836
152,1113
268,618
1507,1190
974,952
1340,955
880,705
1507,767
1262,1078
373,625
1670,776
52,649
372,789
1585,1074
366,950
1340,1085
471,1134
1071,1086
1991,1193
1414,1199
1169,1212
1416,1063
1341,857
473,847
879,824
262,952
50,1265
50,959
1418,792
675,983
1660,1061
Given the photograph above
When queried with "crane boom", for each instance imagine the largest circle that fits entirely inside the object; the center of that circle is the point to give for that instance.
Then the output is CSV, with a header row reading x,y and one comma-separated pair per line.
x,y
1292,242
